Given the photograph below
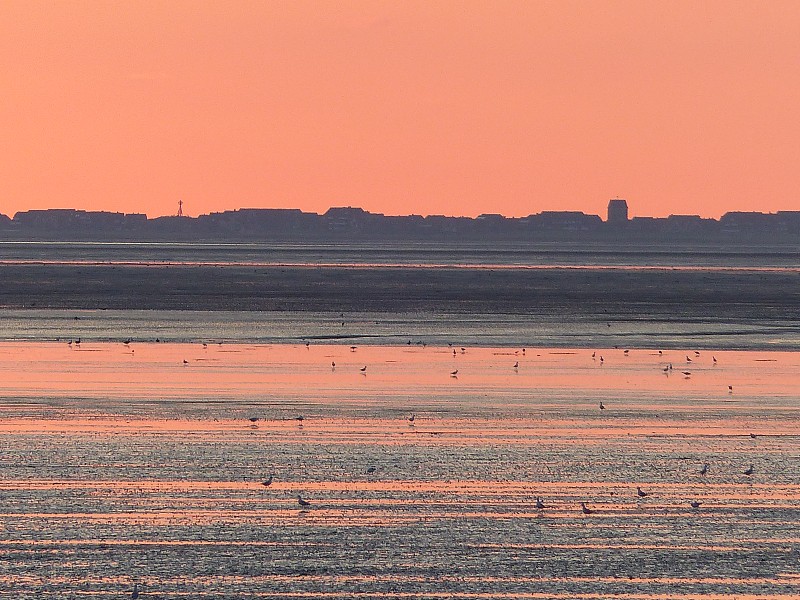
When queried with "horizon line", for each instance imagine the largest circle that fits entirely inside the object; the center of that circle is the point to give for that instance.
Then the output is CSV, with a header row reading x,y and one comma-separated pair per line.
x,y
381,214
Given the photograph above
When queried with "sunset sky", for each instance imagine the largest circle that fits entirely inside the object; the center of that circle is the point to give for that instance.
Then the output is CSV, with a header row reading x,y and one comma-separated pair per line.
x,y
402,107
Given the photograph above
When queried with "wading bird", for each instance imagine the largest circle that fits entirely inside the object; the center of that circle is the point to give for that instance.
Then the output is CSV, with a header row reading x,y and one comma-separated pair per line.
x,y
640,492
704,470
584,510
267,482
749,470
302,502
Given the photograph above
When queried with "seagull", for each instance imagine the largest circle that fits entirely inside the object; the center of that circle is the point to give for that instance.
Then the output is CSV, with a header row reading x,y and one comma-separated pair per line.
x,y
186,362
660,353
688,359
453,373
586,511
730,389
411,418
749,470
135,592
454,351
333,364
364,369
704,470
371,470
267,482
353,348
601,359
625,351
687,373
696,353
694,504
594,354
253,419
539,504
602,407
299,418
666,369
302,502
640,492
714,359
516,365
753,435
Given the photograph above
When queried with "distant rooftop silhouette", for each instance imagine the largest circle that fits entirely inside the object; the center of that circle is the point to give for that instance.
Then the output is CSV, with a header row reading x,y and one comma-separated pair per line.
x,y
353,223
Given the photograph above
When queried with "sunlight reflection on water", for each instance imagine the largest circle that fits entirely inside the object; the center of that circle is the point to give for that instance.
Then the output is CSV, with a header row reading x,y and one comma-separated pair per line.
x,y
121,463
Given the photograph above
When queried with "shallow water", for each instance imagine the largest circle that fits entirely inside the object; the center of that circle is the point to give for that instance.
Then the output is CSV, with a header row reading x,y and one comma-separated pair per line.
x,y
416,253
639,330
122,463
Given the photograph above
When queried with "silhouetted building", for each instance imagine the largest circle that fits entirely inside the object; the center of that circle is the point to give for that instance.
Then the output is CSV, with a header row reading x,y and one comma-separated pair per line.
x,y
617,211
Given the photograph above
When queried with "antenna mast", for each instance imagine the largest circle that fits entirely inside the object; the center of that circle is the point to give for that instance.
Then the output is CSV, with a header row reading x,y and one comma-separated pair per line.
x,y
180,208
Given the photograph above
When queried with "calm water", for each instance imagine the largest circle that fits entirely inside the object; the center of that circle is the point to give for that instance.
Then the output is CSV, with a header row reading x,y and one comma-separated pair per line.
x,y
144,462
140,463
508,254
638,330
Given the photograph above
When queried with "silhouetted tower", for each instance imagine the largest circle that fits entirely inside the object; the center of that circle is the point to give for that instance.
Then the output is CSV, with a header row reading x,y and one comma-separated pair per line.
x,y
617,211
180,208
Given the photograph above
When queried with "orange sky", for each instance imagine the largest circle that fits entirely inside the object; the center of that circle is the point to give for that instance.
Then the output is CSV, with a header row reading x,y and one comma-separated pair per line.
x,y
400,107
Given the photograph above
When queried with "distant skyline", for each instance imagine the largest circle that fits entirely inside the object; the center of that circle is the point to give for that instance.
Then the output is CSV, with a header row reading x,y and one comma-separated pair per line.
x,y
454,108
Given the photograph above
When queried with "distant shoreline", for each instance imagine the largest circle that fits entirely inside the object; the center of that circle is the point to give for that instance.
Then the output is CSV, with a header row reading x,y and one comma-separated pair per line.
x,y
353,224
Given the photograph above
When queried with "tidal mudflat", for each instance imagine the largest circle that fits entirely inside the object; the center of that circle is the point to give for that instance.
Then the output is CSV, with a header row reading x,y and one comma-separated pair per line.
x,y
146,463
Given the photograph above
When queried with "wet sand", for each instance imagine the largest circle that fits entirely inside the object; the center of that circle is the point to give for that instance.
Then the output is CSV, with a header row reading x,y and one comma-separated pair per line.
x,y
659,293
122,464
639,307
